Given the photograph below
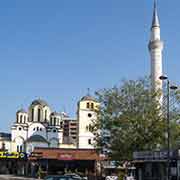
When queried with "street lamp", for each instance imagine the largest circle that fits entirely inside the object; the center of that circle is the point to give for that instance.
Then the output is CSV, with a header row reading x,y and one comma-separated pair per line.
x,y
169,87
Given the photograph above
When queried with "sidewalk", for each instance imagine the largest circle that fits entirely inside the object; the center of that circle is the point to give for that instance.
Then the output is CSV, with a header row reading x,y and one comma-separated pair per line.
x,y
9,177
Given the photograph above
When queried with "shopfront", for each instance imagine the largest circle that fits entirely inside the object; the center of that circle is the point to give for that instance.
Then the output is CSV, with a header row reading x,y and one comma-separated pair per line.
x,y
59,161
152,165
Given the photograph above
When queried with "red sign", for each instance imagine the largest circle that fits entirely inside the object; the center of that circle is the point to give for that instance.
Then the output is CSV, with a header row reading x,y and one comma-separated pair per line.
x,y
65,157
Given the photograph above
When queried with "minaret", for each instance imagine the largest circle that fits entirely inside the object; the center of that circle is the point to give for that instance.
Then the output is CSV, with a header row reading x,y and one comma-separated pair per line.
x,y
155,49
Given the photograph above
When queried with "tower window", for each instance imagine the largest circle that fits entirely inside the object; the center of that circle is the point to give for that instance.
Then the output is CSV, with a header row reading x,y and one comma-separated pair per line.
x,y
39,115
20,128
51,121
54,121
17,117
89,115
87,105
24,119
89,141
32,114
92,105
21,118
45,115
37,128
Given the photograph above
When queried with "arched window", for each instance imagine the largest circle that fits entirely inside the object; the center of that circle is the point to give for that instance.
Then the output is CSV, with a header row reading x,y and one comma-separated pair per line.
x,y
17,118
54,121
24,119
32,114
89,141
17,148
45,115
51,121
39,115
87,105
92,105
21,148
21,118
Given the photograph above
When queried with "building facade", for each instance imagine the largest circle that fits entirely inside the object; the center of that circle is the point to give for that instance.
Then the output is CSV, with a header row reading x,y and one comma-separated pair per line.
x,y
41,127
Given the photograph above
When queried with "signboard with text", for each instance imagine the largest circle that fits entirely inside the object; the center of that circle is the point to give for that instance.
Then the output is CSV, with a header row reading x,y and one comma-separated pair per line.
x,y
151,155
65,157
12,155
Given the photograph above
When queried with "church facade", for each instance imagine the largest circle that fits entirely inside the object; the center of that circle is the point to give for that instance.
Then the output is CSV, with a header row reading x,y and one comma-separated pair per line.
x,y
39,126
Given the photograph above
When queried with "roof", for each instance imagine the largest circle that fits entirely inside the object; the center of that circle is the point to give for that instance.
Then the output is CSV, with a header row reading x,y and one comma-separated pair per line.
x,y
37,138
88,98
55,114
155,22
21,111
39,102
5,135
67,154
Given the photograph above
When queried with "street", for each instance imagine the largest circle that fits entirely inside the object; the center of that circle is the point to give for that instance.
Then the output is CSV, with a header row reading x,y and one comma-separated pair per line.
x,y
10,177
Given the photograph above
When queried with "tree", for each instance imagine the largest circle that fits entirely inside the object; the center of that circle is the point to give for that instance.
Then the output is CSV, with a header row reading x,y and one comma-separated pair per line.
x,y
130,119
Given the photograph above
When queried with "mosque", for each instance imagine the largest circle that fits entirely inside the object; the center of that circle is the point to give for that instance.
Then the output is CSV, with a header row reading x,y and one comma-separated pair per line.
x,y
60,140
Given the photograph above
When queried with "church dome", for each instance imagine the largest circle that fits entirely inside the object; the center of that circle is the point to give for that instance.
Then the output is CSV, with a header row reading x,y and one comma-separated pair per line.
x,y
21,111
39,102
88,98
37,138
55,114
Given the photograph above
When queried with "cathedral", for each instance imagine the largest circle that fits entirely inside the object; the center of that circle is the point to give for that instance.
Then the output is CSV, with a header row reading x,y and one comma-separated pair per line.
x,y
39,126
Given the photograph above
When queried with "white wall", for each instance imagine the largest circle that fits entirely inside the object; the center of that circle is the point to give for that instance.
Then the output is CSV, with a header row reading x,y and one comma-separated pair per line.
x,y
37,129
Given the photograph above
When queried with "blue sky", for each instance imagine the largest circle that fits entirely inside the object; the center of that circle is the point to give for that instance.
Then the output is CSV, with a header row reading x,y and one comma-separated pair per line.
x,y
55,50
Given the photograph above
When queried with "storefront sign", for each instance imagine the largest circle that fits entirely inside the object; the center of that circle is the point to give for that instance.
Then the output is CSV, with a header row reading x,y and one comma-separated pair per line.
x,y
151,155
12,155
65,157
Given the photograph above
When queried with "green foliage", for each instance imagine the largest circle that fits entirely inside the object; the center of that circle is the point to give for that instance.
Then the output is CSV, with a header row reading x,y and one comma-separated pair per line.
x,y
129,120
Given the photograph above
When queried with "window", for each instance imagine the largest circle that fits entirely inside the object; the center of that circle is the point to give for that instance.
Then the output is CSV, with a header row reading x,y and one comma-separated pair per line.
x,y
17,118
89,115
20,128
3,146
32,114
87,105
39,115
21,148
34,129
54,121
89,141
45,115
17,148
37,128
20,118
51,121
40,129
92,105
24,119
54,130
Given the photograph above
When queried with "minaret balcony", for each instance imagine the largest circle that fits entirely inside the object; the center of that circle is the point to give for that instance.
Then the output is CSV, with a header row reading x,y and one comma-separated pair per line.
x,y
157,44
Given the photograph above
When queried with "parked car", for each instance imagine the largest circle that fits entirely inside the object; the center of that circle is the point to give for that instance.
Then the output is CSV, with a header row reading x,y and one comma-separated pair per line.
x,y
61,177
73,175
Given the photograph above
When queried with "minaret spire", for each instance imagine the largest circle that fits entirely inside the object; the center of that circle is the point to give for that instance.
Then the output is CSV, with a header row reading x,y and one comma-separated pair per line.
x,y
155,50
155,21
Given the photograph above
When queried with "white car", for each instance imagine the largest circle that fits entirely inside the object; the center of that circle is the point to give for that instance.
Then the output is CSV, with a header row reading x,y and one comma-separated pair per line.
x,y
111,178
